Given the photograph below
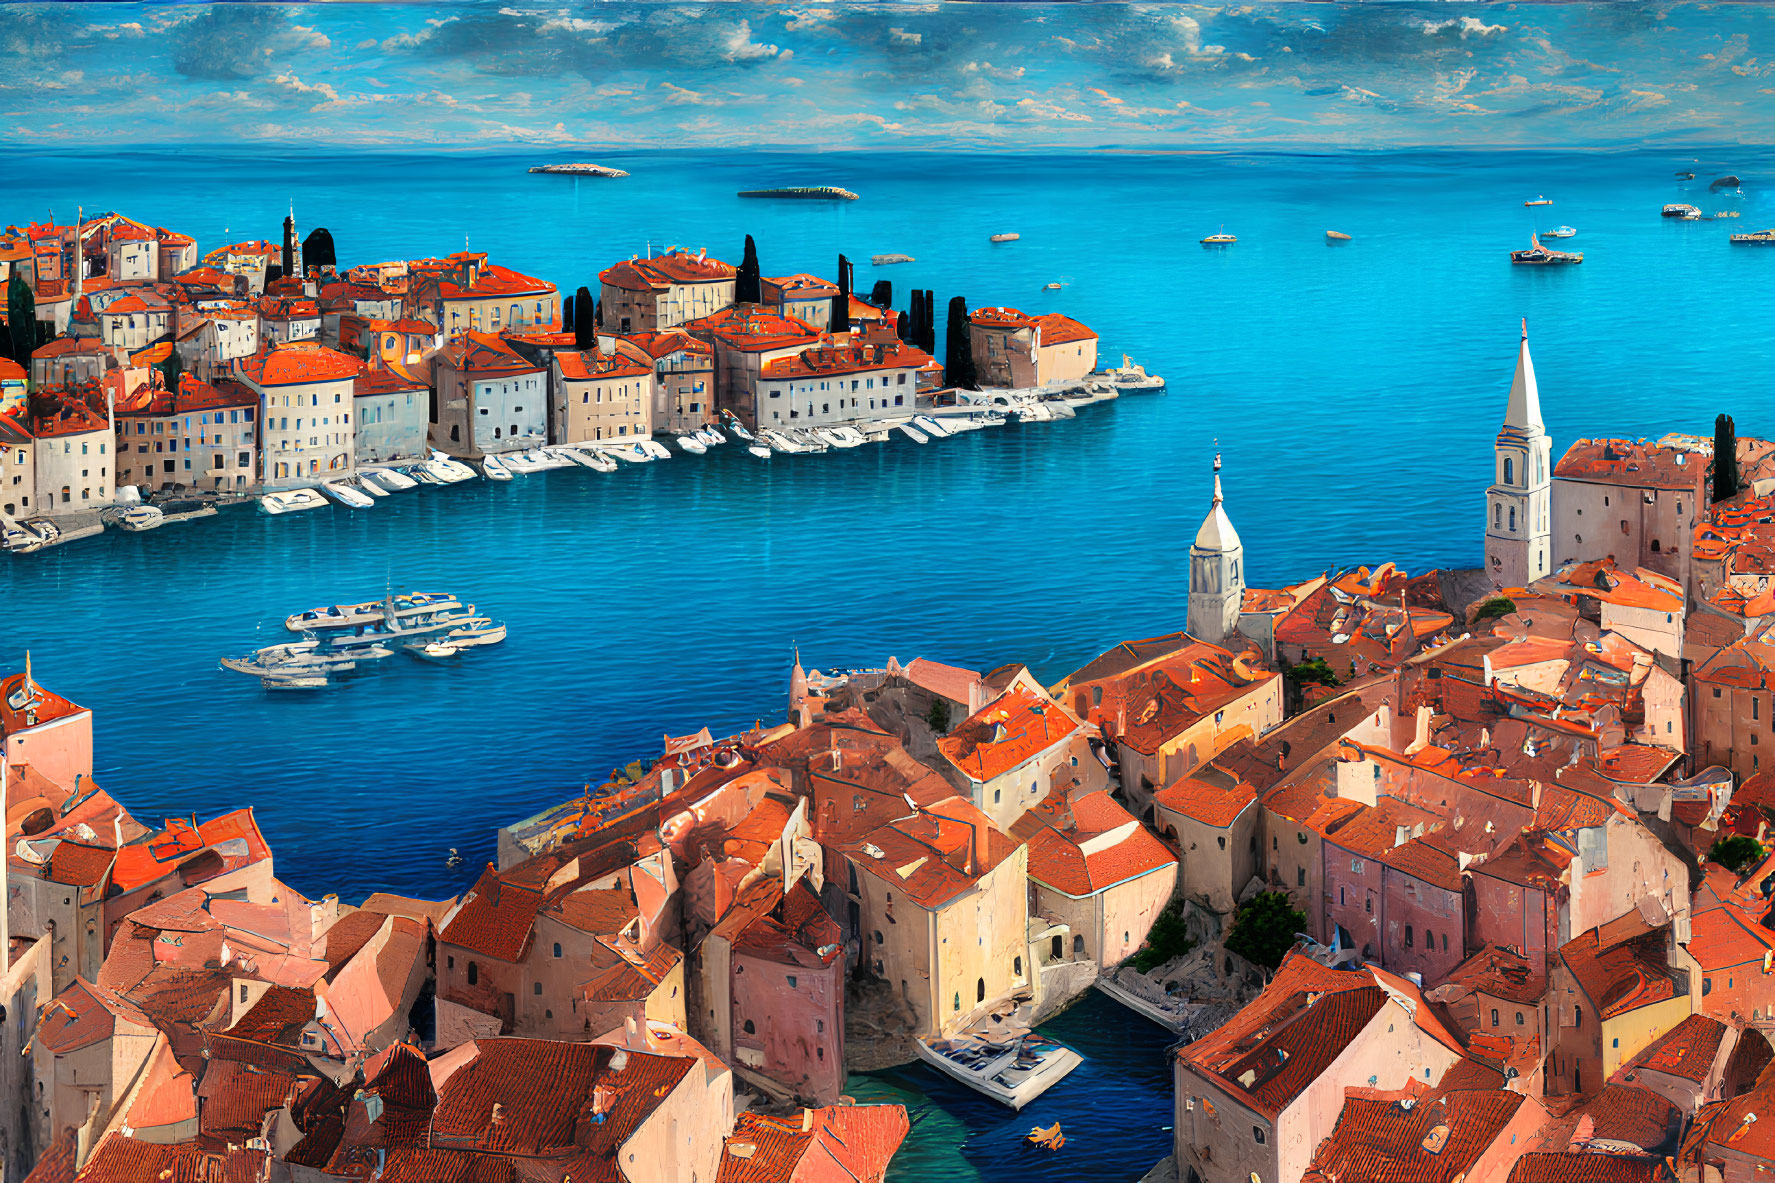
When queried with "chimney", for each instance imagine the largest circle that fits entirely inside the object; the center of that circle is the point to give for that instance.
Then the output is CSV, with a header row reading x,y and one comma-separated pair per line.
x,y
807,1120
976,696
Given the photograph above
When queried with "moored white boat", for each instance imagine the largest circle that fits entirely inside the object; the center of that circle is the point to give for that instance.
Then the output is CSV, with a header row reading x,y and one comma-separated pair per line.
x,y
914,434
653,449
1032,413
290,501
692,444
711,436
420,474
930,426
779,442
1012,1072
141,517
628,452
494,469
520,463
1129,376
358,482
346,495
390,480
434,650
449,469
845,437
738,429
759,450
477,631
572,455
596,459
410,606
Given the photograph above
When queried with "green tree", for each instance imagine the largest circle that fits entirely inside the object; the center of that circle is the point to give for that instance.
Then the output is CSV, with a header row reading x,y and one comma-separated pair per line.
x,y
1737,852
1168,938
1313,669
21,319
746,286
1725,458
171,370
1493,608
958,352
1264,928
938,715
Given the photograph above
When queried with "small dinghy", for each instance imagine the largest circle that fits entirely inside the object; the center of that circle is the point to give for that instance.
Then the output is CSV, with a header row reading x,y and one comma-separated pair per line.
x,y
290,501
711,436
914,434
597,460
420,474
494,469
448,469
1045,1139
626,452
759,450
347,496
434,650
1336,236
475,632
845,437
519,463
692,444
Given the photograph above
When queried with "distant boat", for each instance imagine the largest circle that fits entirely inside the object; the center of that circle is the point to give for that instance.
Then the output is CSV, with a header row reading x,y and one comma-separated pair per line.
x,y
1221,239
1677,209
291,501
1755,238
579,170
884,260
1052,287
1005,238
804,192
1538,255
1337,236
1685,176
1539,200
1559,232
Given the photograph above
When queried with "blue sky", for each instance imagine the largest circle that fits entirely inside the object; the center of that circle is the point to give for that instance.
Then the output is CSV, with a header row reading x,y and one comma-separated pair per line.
x,y
836,76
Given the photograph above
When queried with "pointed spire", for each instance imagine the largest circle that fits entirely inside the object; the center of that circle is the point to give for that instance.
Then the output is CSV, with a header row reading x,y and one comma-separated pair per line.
x,y
1218,497
1217,533
1524,411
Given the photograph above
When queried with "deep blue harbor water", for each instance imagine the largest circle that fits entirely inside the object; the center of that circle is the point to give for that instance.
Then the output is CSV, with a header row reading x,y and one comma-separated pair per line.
x,y
1353,389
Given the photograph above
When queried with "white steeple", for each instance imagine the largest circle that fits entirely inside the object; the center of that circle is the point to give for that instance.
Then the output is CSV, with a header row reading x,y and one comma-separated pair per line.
x,y
1216,573
1524,411
1519,503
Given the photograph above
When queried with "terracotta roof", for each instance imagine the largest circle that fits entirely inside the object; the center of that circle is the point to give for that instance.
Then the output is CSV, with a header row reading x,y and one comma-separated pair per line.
x,y
1434,1140
589,365
1210,796
494,918
84,1014
662,344
485,353
237,1096
234,836
194,396
78,864
1623,1114
1632,463
824,361
372,382
931,855
1720,939
659,271
794,930
1589,1168
849,1142
1006,733
1501,973
119,1159
1062,330
752,328
947,681
298,366
1622,975
1086,844
278,1017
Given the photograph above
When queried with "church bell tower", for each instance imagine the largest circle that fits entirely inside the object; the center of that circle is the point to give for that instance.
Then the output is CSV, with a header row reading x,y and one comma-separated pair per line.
x,y
1519,503
1216,574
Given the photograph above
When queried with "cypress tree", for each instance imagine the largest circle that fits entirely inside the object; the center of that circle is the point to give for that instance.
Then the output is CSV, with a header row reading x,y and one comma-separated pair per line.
x,y
928,339
21,319
171,370
317,250
746,288
585,333
958,356
841,303
566,312
1725,458
912,324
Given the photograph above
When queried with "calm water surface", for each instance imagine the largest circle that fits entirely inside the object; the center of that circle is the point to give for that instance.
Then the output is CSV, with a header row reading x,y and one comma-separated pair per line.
x,y
1354,390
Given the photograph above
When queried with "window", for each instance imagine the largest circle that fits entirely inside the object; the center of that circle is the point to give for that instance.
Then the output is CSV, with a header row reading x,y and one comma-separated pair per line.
x,y
1408,936
1257,1134
1223,841
1494,1016
751,1028
1509,471
243,991
1017,966
1300,876
474,973
1577,1016
536,988
980,990
557,948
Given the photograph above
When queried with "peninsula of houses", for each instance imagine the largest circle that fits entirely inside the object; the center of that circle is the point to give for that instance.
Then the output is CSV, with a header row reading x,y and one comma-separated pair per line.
x,y
1462,876
140,369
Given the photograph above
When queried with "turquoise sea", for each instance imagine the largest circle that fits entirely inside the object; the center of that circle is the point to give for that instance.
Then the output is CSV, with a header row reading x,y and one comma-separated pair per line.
x,y
1353,389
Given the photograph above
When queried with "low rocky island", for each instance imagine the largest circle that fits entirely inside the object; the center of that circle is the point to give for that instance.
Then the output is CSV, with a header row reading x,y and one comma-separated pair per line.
x,y
579,170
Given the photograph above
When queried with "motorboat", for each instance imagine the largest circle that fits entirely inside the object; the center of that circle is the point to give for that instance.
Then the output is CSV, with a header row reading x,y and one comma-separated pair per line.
x,y
359,483
410,606
711,436
885,260
547,458
1220,239
290,501
845,437
449,469
141,517
420,474
1539,256
1129,376
1011,1068
347,496
1004,238
1053,286
930,426
779,442
734,425
520,463
1538,199
1336,236
1559,232
31,535
808,438
389,480
594,459
1755,238
692,444
575,456
759,450
653,449
295,682
914,434
1681,210
475,632
434,650
1058,407
1034,412
628,452
494,469
303,657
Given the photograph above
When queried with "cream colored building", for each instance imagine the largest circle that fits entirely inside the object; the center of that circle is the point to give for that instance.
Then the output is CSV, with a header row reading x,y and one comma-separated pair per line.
x,y
206,438
305,419
829,384
463,293
601,397
683,376
1013,349
663,291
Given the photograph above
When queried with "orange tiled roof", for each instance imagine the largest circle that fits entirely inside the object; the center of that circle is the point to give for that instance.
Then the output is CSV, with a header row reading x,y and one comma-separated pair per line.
x,y
662,344
1000,318
849,1142
1632,463
1719,939
1377,1140
590,366
932,855
1622,974
485,353
752,328
1062,330
1087,844
661,271
235,836
1539,1167
1687,1050
828,360
33,700
1006,733
297,367
1209,796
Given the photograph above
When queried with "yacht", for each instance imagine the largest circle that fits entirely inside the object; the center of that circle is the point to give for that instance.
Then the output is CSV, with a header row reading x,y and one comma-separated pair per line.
x,y
845,437
519,463
930,426
808,438
141,517
494,469
653,449
290,501
780,442
1755,238
1539,200
359,483
1011,1067
572,455
416,607
389,480
303,657
1221,239
711,436
419,474
692,444
33,534
294,682
449,469
1559,232
347,496
476,631
1682,210
1336,236
914,434
759,450
739,429
433,650
1005,237
1034,412
885,260
595,459
1539,256
628,452
1129,376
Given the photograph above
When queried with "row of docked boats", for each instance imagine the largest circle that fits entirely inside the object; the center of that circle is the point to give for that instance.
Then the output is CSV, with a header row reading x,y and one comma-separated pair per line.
x,y
339,639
